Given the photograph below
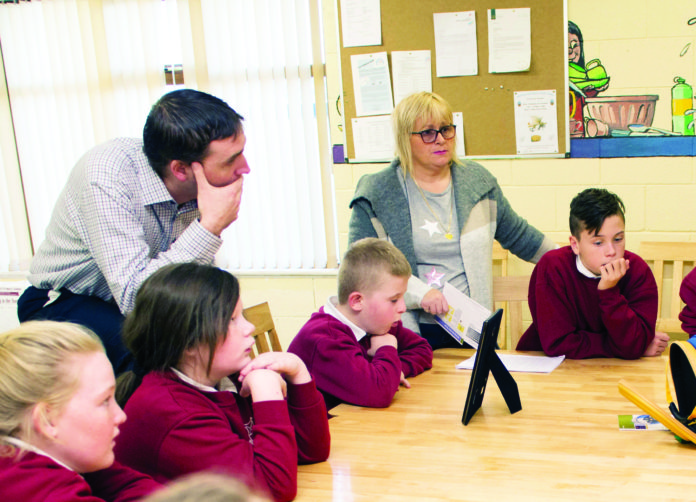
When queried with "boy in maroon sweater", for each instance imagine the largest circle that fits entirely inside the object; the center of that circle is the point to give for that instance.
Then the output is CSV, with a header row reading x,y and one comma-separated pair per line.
x,y
355,347
687,292
594,298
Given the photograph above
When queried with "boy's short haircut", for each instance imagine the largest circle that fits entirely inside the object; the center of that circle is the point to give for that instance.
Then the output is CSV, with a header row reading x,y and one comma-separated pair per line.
x,y
363,263
591,207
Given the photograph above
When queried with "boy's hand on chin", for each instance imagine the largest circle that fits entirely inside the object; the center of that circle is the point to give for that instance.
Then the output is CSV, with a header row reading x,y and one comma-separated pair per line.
x,y
379,341
612,272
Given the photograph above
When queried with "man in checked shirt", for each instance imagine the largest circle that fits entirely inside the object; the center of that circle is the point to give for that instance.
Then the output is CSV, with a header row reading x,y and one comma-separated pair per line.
x,y
131,206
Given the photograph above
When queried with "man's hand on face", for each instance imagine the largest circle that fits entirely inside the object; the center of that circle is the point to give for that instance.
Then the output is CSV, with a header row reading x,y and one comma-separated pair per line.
x,y
219,206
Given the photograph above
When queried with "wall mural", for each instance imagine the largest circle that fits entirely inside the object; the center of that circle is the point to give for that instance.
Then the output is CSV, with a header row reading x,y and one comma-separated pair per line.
x,y
592,115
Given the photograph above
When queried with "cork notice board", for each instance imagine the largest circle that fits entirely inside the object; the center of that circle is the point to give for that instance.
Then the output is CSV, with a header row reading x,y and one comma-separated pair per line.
x,y
485,100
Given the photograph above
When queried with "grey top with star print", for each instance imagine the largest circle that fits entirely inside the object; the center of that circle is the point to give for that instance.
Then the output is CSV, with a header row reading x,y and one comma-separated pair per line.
x,y
380,208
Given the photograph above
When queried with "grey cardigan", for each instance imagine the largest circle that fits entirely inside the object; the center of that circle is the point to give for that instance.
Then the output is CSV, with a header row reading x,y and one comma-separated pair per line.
x,y
380,209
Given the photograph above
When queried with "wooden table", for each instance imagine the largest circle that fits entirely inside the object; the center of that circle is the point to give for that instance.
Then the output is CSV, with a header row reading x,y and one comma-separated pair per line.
x,y
564,445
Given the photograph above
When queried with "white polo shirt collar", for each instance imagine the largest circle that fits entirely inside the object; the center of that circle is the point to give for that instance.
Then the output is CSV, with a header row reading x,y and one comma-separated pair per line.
x,y
225,384
29,447
330,308
584,270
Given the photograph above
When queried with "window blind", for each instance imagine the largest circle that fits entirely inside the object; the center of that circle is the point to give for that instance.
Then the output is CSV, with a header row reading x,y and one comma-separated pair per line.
x,y
80,73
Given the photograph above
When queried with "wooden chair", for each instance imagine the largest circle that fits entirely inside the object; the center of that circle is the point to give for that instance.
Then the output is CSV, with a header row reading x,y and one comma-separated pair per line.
x,y
500,263
501,256
264,329
512,292
659,256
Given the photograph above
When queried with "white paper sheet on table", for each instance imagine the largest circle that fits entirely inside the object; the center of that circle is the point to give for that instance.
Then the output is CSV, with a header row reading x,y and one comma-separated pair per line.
x,y
520,363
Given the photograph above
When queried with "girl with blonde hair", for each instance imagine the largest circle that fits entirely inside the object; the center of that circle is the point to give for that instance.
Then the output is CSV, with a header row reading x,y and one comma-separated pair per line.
x,y
59,419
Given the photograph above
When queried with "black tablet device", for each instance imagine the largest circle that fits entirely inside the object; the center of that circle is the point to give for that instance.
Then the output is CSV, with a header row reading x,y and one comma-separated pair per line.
x,y
488,361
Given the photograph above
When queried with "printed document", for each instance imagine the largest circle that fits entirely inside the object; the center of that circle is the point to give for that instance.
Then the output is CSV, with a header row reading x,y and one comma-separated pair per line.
x,y
509,40
372,138
465,318
371,84
361,23
455,44
412,73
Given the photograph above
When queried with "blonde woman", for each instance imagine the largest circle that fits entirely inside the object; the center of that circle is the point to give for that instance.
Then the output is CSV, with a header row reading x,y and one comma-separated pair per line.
x,y
59,419
443,214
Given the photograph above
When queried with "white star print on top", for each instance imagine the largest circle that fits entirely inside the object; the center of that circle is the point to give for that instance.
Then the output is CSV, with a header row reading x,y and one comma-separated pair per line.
x,y
431,227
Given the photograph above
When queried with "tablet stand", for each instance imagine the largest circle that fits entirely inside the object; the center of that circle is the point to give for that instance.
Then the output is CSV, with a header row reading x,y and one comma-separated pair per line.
x,y
487,361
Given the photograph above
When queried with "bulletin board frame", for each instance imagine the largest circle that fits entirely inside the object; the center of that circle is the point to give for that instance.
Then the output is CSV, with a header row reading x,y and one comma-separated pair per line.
x,y
485,100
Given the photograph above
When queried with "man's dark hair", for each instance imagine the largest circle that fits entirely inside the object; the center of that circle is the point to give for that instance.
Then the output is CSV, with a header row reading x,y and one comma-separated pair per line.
x,y
181,125
591,207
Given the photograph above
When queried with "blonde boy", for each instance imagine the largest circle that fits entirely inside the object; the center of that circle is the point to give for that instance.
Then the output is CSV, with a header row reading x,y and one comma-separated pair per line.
x,y
355,347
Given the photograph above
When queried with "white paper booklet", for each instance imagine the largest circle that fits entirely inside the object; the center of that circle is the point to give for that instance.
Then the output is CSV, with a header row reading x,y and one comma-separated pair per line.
x,y
521,363
465,318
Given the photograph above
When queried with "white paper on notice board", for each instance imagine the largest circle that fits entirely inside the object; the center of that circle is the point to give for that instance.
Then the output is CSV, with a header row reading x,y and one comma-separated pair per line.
x,y
455,43
536,126
372,138
412,72
371,84
509,40
361,23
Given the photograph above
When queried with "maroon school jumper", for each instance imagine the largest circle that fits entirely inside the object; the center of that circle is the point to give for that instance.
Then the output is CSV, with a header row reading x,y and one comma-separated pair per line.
x,y
174,428
687,292
38,478
571,317
343,370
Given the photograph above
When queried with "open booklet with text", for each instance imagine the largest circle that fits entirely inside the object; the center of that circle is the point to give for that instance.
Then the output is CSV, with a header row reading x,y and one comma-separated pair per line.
x,y
465,317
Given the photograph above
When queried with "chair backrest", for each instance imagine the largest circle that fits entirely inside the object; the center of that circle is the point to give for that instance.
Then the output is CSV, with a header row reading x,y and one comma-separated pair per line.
x,y
512,292
500,263
660,255
264,329
501,256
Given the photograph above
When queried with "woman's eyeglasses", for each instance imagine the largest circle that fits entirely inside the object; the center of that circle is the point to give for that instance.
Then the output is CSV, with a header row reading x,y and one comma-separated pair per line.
x,y
430,135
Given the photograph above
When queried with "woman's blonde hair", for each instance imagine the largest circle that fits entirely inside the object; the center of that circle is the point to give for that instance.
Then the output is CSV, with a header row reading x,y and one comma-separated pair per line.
x,y
36,366
420,105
